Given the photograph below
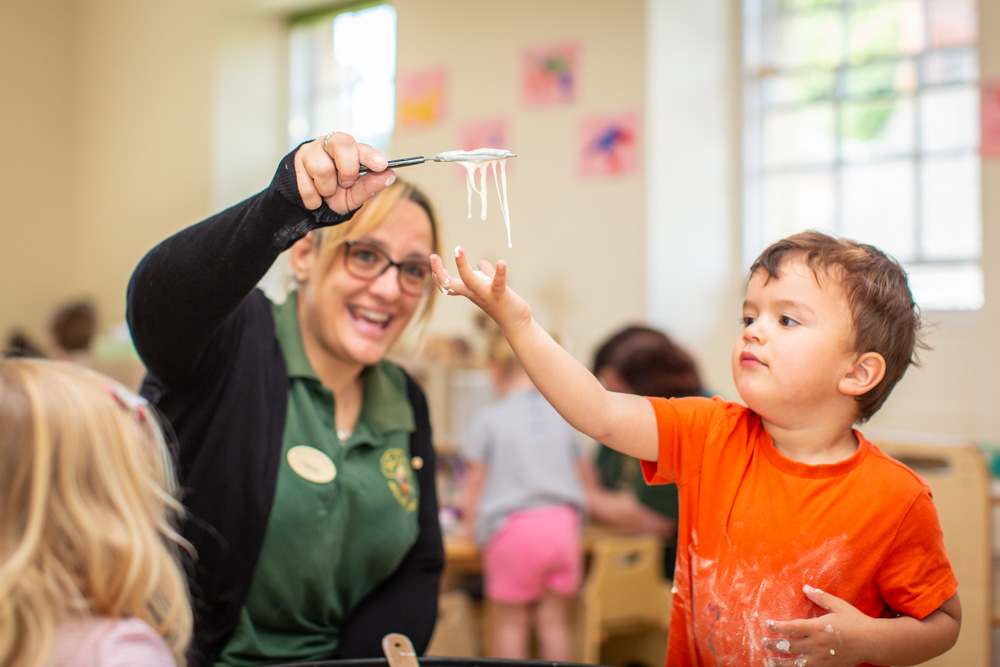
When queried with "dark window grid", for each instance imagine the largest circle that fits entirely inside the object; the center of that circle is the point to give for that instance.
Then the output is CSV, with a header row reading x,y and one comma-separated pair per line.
x,y
756,176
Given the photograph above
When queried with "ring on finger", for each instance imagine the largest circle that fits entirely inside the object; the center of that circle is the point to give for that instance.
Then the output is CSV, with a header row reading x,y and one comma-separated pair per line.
x,y
327,138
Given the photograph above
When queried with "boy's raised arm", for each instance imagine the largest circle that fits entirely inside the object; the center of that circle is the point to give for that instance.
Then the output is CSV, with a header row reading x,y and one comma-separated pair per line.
x,y
622,421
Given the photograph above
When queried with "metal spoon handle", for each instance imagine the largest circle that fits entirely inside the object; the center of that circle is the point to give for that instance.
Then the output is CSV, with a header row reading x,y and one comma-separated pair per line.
x,y
401,162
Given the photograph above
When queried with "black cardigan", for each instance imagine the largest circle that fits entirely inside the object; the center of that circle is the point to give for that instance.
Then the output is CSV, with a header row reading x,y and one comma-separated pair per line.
x,y
217,375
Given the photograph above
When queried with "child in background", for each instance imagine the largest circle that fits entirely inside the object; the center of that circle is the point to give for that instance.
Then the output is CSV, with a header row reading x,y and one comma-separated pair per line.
x,y
89,572
800,542
639,360
523,500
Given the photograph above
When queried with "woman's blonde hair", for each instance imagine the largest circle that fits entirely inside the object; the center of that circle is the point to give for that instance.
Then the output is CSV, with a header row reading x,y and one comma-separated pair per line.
x,y
88,510
328,240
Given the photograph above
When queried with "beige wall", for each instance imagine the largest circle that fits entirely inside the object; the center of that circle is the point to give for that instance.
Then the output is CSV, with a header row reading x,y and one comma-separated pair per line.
x,y
125,121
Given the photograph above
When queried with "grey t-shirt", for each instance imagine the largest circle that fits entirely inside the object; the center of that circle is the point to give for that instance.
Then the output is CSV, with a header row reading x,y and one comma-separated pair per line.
x,y
530,454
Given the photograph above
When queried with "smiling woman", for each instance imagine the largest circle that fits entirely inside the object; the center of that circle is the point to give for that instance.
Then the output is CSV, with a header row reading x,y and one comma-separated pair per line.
x,y
306,455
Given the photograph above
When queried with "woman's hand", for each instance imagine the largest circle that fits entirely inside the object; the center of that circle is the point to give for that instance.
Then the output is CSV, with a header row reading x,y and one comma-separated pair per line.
x,y
327,170
485,287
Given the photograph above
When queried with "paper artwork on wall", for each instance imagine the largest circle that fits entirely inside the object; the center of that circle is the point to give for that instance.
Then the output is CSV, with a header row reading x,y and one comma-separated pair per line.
x,y
989,118
608,145
484,134
422,98
550,75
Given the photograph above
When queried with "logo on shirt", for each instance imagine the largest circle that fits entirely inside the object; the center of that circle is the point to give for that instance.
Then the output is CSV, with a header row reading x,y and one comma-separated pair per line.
x,y
396,468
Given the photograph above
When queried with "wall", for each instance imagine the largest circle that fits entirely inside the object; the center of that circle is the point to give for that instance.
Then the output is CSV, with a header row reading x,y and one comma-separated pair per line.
x,y
132,120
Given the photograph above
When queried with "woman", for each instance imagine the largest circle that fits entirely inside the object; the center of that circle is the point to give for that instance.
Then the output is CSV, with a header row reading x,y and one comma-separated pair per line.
x,y
645,361
305,456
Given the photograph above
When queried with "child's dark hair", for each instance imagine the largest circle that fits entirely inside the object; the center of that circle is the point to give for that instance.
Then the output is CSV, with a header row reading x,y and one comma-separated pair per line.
x,y
886,320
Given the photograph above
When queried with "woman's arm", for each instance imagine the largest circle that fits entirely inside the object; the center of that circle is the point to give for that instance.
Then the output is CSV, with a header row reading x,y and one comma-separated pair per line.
x,y
621,508
186,287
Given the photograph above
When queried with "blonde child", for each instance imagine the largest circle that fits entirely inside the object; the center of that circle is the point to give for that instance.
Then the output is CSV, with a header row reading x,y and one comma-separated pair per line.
x,y
523,502
89,572
800,543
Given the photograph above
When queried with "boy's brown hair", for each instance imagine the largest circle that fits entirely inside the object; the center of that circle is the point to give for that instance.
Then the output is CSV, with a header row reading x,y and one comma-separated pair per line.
x,y
885,317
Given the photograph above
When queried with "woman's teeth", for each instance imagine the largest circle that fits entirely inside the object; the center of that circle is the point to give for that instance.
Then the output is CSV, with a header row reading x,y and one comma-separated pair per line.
x,y
373,316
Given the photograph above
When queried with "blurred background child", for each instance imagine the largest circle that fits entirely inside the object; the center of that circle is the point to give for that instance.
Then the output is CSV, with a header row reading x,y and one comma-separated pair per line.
x,y
639,360
89,569
523,502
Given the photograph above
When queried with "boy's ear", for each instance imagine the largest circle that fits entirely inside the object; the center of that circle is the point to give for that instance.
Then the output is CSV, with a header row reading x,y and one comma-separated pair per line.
x,y
867,371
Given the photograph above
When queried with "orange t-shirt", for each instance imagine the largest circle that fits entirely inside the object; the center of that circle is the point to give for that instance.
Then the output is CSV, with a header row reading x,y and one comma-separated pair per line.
x,y
755,527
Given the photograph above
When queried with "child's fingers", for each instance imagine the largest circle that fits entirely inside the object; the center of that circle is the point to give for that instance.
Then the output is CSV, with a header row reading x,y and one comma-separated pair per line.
x,y
441,276
499,278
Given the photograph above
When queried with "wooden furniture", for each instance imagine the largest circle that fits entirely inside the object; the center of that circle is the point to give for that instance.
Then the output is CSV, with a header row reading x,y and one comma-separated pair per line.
x,y
622,611
624,593
955,470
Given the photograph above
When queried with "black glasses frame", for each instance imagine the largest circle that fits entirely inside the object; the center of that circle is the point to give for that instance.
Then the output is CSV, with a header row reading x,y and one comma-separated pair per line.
x,y
389,264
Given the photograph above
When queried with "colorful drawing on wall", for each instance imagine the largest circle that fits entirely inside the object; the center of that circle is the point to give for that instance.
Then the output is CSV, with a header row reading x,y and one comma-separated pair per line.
x,y
609,145
550,75
422,97
989,118
482,134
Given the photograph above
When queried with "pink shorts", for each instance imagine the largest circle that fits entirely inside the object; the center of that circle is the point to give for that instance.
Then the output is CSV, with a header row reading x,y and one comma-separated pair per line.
x,y
534,551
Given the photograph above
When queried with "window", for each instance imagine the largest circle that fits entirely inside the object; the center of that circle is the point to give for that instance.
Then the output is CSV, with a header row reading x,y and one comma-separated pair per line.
x,y
343,75
862,119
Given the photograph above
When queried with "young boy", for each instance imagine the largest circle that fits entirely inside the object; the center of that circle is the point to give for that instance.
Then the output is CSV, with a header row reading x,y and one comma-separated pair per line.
x,y
781,500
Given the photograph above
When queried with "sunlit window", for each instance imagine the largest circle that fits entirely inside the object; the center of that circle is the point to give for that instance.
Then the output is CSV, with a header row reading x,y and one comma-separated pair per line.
x,y
862,119
343,75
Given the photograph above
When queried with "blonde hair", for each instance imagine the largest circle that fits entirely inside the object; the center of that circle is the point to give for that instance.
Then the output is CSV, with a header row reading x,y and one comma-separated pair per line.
x,y
328,240
88,510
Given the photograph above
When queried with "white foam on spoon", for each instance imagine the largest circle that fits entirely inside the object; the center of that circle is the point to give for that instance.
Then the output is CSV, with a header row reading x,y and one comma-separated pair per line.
x,y
480,160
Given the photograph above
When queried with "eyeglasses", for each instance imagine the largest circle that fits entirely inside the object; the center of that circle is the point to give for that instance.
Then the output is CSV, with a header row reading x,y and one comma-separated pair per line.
x,y
368,262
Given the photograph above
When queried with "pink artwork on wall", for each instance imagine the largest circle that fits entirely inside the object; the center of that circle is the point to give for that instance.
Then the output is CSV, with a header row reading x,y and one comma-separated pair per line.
x,y
550,75
490,133
989,118
422,98
609,145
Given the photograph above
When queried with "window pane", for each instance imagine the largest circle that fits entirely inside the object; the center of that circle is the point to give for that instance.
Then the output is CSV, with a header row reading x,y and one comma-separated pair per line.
x,y
950,199
952,23
949,119
951,287
784,5
942,67
794,202
797,88
880,128
799,40
878,205
880,78
804,136
885,29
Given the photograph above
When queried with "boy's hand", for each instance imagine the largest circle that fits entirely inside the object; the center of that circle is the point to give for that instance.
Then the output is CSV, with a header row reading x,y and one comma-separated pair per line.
x,y
837,639
487,288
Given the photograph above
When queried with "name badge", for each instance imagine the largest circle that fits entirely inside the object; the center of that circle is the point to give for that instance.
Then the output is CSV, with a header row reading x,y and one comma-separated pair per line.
x,y
311,464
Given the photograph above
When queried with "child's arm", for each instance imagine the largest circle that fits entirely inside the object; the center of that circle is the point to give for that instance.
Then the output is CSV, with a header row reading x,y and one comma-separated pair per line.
x,y
622,421
846,637
473,491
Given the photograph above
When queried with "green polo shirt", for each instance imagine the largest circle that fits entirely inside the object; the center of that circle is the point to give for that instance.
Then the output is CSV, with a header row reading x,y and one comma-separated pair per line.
x,y
622,472
344,513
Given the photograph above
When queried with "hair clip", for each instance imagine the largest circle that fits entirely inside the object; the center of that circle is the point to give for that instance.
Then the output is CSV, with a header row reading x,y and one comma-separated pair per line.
x,y
132,402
